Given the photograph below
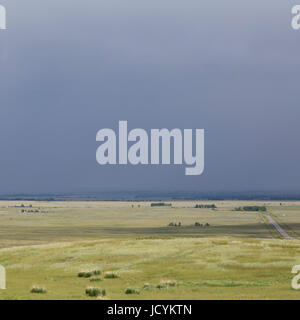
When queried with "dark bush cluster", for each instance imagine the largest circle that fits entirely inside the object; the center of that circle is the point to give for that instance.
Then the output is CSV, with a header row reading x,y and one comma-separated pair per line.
x,y
30,211
251,208
197,224
111,276
89,274
132,291
38,290
95,292
85,274
205,206
161,204
174,224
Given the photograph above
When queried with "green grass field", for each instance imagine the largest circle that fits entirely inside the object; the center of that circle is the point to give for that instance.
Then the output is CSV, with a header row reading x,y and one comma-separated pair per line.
x,y
238,256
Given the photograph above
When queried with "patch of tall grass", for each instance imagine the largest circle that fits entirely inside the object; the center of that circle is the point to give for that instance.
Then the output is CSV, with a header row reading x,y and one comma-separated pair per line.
x,y
148,286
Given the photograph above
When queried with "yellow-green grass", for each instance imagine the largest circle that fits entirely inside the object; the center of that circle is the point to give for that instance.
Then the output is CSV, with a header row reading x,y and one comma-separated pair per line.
x,y
214,268
239,256
67,221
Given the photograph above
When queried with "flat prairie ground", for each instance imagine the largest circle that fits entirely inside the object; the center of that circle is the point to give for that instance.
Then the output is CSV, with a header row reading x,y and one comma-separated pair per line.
x,y
234,255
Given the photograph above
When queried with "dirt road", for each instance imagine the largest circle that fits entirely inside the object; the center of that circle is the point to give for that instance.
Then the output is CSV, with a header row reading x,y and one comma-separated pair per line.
x,y
279,229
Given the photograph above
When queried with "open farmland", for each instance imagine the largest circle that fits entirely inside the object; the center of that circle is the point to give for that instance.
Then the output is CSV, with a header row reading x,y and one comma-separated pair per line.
x,y
229,255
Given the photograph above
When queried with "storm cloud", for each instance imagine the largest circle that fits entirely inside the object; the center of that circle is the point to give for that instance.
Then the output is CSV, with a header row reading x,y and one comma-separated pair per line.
x,y
69,68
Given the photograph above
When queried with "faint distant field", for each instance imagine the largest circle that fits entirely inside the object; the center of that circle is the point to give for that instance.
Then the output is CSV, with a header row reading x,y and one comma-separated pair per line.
x,y
238,256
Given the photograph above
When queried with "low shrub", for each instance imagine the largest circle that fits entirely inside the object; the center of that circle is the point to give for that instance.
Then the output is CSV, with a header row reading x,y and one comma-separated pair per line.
x,y
197,224
85,274
88,274
36,289
95,292
111,276
162,286
132,291
96,279
97,272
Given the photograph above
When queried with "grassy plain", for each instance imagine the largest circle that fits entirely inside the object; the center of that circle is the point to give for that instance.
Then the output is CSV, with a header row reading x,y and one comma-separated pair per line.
x,y
238,256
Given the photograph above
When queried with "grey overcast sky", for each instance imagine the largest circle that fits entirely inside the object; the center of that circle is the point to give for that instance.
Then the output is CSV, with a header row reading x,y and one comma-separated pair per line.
x,y
69,68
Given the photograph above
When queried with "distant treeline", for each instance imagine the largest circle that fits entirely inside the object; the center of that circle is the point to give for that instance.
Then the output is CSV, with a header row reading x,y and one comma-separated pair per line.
x,y
251,208
30,211
205,206
197,224
161,204
157,196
